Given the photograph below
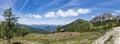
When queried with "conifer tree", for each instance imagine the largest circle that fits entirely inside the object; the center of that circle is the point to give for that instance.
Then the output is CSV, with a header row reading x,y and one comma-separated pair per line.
x,y
8,28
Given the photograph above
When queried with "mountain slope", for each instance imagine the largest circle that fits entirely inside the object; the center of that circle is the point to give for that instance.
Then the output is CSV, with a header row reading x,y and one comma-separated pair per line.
x,y
32,29
78,25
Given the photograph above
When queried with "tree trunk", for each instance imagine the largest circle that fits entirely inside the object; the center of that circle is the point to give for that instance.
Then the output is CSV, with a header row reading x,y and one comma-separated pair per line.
x,y
8,41
3,41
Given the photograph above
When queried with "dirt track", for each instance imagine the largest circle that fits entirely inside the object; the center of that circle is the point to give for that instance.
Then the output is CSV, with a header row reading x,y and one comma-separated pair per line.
x,y
114,32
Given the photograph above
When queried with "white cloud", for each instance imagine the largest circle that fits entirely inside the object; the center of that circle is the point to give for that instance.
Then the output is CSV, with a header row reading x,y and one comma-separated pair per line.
x,y
50,14
67,13
1,18
83,11
61,13
117,11
70,12
36,16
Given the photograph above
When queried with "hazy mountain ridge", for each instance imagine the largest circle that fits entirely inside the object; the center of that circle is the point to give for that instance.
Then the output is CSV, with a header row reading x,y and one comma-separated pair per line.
x,y
45,27
32,29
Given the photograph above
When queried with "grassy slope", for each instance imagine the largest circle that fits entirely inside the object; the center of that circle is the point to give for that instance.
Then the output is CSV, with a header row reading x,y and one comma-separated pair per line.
x,y
59,38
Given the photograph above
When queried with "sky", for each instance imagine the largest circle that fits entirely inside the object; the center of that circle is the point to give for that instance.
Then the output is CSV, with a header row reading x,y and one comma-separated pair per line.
x,y
58,12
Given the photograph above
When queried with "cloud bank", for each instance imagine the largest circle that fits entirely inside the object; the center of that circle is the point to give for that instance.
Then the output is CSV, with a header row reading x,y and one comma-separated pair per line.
x,y
35,16
70,12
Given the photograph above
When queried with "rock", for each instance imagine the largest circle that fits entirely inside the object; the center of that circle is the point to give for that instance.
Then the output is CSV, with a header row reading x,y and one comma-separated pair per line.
x,y
118,16
103,17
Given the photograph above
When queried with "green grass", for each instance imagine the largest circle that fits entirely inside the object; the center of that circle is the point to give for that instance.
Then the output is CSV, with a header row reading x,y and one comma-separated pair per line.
x,y
59,38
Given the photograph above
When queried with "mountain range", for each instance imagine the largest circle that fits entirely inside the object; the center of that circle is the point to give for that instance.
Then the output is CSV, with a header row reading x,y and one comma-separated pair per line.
x,y
104,17
98,23
106,20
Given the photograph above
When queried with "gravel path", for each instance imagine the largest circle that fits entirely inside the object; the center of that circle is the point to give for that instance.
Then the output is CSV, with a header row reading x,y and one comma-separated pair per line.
x,y
115,32
117,38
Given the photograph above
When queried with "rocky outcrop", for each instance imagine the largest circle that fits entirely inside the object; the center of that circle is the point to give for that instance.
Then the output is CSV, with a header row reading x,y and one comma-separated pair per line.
x,y
118,16
103,17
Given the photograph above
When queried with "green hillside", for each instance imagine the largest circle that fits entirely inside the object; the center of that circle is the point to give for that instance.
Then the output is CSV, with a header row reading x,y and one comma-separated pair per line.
x,y
84,26
78,25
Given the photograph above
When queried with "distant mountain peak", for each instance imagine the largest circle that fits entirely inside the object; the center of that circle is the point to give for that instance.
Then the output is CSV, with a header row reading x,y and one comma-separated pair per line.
x,y
80,20
103,17
104,14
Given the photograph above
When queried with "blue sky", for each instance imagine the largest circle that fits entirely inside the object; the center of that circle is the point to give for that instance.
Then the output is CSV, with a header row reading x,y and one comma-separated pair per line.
x,y
58,12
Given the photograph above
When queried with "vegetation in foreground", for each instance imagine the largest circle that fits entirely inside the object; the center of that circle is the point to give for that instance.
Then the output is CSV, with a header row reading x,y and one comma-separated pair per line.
x,y
59,38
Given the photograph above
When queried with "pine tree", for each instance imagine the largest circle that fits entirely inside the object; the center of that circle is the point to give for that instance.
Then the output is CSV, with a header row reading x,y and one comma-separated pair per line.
x,y
8,27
